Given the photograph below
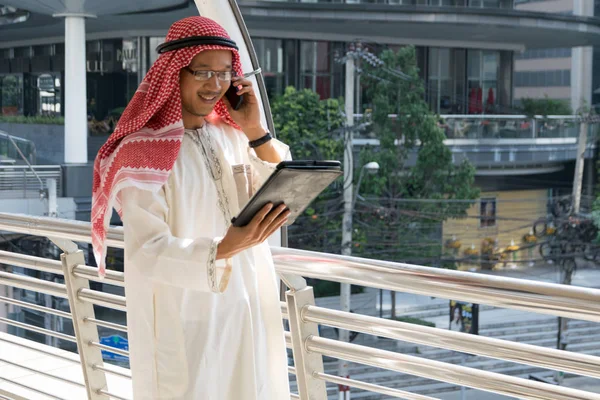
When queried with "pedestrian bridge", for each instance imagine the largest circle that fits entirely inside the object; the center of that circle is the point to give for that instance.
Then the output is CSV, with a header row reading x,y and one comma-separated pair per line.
x,y
30,370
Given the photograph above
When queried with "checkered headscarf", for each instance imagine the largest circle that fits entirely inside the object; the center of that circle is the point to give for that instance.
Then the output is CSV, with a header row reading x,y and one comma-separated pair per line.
x,y
145,144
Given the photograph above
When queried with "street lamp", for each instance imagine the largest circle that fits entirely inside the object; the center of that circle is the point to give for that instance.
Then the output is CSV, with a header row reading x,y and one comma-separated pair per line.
x,y
371,168
350,195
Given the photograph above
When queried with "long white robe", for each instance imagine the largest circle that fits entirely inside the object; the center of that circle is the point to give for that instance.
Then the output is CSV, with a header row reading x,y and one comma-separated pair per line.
x,y
200,328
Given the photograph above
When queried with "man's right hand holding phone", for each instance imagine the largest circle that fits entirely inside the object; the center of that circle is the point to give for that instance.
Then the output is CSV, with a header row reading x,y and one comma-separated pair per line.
x,y
263,225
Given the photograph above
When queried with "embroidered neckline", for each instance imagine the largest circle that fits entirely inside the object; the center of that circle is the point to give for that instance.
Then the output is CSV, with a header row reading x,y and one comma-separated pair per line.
x,y
205,143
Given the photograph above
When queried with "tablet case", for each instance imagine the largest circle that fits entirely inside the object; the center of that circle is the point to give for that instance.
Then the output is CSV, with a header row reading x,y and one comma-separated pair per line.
x,y
295,183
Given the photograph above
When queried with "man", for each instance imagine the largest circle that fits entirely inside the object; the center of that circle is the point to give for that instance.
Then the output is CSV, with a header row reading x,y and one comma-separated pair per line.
x,y
203,309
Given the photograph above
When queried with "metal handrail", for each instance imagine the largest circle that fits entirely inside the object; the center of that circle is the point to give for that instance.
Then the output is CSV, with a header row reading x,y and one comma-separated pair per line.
x,y
102,299
31,262
566,361
370,387
77,231
573,302
34,328
31,306
538,297
495,116
441,371
36,285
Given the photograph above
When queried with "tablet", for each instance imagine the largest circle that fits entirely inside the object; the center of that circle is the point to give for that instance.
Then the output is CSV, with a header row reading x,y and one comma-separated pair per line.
x,y
295,183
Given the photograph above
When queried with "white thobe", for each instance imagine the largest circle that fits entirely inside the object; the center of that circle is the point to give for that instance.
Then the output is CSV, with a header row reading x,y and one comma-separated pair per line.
x,y
201,328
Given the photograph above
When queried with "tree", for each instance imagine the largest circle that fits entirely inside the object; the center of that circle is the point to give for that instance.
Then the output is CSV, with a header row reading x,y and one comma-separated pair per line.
x,y
545,107
401,225
312,129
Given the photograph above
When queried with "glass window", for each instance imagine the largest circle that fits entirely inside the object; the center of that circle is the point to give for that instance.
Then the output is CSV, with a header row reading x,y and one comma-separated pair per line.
x,y
484,3
49,94
271,58
446,80
487,215
44,50
154,42
11,87
315,67
482,81
440,83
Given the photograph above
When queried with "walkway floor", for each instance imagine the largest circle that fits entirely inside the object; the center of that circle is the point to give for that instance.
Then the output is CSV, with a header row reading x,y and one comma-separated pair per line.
x,y
26,353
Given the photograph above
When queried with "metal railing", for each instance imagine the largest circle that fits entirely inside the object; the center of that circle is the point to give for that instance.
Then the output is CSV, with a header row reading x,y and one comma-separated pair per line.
x,y
503,4
24,182
492,126
304,317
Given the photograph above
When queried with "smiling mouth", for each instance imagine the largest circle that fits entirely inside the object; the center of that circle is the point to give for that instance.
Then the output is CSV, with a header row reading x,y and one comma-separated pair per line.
x,y
208,98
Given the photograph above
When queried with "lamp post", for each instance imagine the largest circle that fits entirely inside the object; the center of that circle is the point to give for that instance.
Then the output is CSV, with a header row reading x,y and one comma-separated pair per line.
x,y
371,168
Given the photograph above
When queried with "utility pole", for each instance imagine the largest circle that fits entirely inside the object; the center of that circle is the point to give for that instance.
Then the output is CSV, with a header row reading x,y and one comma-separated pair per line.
x,y
579,166
567,268
581,96
345,289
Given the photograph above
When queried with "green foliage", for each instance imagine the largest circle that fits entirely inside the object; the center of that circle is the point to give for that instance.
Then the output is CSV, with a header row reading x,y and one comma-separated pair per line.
x,y
308,123
545,106
20,119
329,288
416,321
312,129
394,220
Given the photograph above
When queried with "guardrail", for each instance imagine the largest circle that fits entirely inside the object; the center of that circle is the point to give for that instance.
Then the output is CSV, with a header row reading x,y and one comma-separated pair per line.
x,y
24,182
304,317
491,126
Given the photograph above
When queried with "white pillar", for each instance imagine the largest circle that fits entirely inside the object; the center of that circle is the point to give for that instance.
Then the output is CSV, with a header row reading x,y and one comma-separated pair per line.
x,y
75,89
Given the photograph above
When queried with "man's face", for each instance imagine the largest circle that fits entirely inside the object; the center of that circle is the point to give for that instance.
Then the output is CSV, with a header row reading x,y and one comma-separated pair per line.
x,y
199,97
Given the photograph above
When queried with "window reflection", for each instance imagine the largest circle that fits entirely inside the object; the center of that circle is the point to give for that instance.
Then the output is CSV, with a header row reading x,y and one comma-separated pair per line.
x,y
270,55
11,87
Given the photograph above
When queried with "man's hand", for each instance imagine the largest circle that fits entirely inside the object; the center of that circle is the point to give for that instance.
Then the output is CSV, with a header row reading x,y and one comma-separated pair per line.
x,y
248,116
263,225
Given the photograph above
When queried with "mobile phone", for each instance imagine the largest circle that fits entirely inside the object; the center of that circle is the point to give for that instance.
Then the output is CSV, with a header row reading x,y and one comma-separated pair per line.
x,y
234,99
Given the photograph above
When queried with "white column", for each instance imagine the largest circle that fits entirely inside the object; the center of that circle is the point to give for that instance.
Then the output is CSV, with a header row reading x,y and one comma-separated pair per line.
x,y
75,89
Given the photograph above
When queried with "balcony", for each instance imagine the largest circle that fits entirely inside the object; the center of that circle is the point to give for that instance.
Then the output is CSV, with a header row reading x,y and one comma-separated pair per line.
x,y
30,370
463,27
505,144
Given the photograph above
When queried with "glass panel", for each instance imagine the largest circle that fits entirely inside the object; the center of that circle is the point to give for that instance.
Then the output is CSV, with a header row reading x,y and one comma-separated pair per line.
x,y
474,64
487,212
433,62
271,57
322,56
154,42
308,57
459,63
23,52
49,92
490,65
11,87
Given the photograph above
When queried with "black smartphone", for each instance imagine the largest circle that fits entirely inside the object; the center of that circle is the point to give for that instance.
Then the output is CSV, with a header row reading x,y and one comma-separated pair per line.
x,y
234,99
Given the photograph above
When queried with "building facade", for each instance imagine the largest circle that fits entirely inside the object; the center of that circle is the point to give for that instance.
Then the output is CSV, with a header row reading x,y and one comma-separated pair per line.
x,y
475,74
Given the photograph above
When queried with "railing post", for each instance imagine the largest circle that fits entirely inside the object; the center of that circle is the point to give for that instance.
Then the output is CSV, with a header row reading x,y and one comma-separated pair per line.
x,y
84,332
309,388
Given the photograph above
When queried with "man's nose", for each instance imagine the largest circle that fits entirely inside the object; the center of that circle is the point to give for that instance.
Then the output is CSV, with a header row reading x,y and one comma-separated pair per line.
x,y
214,83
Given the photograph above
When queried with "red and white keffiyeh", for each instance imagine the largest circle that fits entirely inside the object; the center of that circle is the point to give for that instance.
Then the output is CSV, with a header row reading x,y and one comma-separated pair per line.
x,y
145,144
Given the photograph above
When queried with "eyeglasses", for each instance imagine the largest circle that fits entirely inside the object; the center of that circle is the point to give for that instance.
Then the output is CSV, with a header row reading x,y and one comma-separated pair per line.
x,y
206,75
